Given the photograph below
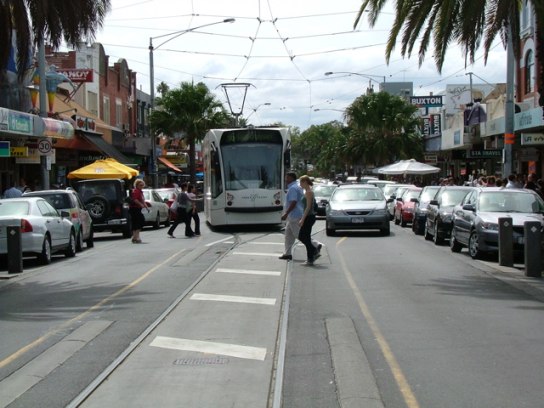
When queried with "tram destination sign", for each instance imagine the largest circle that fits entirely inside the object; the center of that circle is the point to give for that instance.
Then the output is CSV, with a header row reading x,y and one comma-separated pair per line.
x,y
430,101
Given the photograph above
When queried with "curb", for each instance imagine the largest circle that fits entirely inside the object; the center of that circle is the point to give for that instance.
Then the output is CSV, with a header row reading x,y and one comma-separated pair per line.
x,y
355,382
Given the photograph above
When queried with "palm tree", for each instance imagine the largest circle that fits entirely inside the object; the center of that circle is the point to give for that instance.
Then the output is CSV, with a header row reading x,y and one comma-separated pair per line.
x,y
191,109
466,22
383,129
29,22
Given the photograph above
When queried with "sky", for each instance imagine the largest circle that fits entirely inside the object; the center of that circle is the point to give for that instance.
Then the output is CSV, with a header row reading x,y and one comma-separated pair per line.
x,y
276,52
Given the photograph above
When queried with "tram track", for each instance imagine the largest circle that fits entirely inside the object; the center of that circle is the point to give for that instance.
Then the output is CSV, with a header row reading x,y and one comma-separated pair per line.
x,y
276,377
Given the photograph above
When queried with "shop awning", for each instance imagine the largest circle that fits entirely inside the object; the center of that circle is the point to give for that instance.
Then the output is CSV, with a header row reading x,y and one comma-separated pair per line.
x,y
106,148
169,164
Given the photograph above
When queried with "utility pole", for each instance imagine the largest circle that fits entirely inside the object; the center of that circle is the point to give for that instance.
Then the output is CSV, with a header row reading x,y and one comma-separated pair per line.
x,y
43,110
509,136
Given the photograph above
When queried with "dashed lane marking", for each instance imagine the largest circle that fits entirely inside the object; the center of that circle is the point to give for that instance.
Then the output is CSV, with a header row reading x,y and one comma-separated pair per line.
x,y
224,349
233,299
248,271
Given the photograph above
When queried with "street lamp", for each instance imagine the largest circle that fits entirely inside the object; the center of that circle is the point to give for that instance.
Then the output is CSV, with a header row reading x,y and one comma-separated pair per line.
x,y
369,77
175,34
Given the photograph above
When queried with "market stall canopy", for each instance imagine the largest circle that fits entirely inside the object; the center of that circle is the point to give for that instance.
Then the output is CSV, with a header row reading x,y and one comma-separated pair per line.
x,y
408,167
107,168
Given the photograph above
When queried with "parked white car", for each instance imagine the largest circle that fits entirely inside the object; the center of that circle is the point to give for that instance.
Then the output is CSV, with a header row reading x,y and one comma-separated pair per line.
x,y
43,230
159,212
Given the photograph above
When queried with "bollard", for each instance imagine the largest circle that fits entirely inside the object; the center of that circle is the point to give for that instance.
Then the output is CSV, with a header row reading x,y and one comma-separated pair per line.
x,y
533,255
506,244
15,249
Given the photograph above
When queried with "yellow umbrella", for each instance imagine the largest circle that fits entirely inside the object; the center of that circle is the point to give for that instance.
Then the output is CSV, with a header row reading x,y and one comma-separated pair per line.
x,y
107,168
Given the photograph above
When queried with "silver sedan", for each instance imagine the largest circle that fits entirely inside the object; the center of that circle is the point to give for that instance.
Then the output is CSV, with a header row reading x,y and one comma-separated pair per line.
x,y
43,230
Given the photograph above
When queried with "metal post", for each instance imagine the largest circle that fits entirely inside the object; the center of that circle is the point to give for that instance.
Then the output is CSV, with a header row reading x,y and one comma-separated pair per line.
x,y
509,108
153,169
506,242
15,249
533,253
43,110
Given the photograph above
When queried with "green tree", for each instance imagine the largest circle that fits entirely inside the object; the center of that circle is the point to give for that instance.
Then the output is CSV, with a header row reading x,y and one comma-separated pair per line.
x,y
466,22
318,145
32,21
383,128
191,109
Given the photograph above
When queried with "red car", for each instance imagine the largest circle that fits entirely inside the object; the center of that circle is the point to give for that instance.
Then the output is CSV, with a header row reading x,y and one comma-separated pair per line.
x,y
404,208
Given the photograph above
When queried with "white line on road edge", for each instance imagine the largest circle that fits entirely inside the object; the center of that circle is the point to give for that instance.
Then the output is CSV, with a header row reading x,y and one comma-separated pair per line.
x,y
248,271
258,253
224,349
234,299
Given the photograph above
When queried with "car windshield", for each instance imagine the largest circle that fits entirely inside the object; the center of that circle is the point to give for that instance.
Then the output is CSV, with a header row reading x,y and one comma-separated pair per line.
x,y
147,194
498,201
14,208
409,194
357,194
453,197
58,201
324,191
428,194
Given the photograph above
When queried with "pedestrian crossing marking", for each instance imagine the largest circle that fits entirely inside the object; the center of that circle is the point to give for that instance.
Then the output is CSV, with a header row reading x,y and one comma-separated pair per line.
x,y
224,349
234,299
248,271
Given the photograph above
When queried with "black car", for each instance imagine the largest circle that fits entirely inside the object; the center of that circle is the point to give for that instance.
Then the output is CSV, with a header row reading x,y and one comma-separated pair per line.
x,y
438,224
420,208
105,199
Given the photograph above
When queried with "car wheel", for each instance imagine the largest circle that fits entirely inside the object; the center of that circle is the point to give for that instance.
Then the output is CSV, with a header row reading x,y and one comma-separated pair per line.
x,y
455,246
90,240
426,233
474,246
98,207
402,220
397,221
385,231
45,256
437,239
167,221
79,241
330,232
70,251
157,222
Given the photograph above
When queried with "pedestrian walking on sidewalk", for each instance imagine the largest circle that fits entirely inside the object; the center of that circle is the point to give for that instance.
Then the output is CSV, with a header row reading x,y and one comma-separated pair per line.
x,y
136,206
308,219
181,211
192,210
292,213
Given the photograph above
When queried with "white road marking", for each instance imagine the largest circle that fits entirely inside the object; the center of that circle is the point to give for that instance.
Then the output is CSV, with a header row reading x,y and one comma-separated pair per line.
x,y
263,243
221,240
233,299
233,350
258,253
248,271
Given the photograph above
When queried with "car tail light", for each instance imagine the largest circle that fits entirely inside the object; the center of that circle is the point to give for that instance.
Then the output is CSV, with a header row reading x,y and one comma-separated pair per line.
x,y
26,226
74,215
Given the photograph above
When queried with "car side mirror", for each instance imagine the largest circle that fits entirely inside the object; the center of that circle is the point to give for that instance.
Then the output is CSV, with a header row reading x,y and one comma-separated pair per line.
x,y
400,200
433,202
389,200
414,200
65,214
469,207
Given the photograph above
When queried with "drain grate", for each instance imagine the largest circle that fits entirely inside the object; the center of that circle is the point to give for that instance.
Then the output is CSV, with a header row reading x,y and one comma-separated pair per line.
x,y
201,361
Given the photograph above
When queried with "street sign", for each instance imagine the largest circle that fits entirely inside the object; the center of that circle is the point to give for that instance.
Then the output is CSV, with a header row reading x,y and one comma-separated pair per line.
x,y
44,146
